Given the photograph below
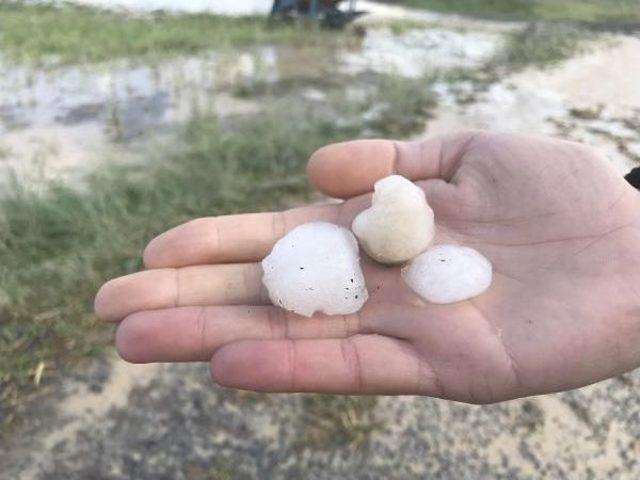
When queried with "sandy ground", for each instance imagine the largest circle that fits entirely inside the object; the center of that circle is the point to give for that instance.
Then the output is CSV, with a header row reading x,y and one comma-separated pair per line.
x,y
111,420
593,98
119,421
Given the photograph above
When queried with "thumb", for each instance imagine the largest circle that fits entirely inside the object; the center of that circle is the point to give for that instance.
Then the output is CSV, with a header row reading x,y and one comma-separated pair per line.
x,y
347,169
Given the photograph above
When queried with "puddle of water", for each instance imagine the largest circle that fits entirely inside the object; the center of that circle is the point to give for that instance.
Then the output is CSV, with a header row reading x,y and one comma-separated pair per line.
x,y
144,94
234,7
416,51
74,95
223,7
54,122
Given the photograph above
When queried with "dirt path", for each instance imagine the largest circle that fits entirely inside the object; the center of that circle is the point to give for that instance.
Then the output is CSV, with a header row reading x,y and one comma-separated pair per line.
x,y
157,422
593,98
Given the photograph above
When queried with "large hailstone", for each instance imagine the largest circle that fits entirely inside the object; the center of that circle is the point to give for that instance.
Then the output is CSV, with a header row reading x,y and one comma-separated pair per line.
x,y
398,225
316,267
448,274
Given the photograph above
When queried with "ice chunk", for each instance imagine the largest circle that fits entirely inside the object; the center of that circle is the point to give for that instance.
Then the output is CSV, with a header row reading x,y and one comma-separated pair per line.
x,y
398,225
316,267
448,274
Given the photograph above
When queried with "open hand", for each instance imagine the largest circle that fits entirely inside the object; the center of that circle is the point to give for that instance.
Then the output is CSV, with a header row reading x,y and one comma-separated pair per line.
x,y
559,224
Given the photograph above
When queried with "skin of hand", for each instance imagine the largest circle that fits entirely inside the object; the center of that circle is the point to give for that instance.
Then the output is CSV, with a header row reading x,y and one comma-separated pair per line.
x,y
559,224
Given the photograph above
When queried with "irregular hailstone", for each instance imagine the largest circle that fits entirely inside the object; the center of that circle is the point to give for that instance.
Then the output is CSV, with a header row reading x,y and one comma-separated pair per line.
x,y
448,274
398,225
316,267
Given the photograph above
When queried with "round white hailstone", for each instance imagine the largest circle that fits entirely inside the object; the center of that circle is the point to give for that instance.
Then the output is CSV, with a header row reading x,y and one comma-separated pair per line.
x,y
448,274
398,225
316,267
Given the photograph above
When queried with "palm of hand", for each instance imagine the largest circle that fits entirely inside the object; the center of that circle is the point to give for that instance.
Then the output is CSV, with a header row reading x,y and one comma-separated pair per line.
x,y
558,225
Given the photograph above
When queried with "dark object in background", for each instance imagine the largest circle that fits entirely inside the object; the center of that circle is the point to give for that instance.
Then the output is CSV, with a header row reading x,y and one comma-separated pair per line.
x,y
633,177
324,11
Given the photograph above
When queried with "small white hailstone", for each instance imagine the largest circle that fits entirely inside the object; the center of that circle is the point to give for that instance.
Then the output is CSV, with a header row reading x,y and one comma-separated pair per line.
x,y
316,267
398,225
448,274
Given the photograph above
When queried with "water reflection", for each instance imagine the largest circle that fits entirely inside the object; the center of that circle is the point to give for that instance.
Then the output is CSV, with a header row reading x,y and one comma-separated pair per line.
x,y
224,7
62,116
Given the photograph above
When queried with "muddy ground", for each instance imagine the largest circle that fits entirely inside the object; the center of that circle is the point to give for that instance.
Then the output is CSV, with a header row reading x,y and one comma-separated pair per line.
x,y
118,421
111,420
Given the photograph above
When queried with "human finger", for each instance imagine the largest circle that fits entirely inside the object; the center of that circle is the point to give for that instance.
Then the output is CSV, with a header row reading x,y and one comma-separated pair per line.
x,y
361,364
186,334
226,284
347,169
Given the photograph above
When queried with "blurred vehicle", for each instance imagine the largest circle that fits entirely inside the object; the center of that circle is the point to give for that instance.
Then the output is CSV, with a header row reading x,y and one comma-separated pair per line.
x,y
327,12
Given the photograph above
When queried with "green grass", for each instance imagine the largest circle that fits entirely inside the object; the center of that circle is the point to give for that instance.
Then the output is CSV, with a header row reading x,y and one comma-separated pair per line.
x,y
405,106
611,12
71,34
337,422
482,8
57,245
601,12
221,470
539,45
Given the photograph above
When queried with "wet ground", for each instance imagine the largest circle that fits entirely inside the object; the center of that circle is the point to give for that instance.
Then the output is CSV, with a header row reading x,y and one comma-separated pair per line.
x,y
110,420
223,7
120,421
593,98
59,122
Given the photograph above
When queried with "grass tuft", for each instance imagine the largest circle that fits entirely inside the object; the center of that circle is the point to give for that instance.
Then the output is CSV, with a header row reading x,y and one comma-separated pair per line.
x,y
540,45
33,33
332,422
58,246
502,9
405,106
613,14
